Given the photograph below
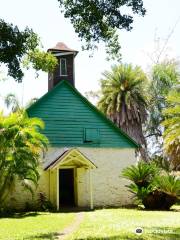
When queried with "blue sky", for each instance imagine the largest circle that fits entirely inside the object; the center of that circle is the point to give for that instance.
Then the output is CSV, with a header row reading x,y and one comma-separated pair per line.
x,y
45,18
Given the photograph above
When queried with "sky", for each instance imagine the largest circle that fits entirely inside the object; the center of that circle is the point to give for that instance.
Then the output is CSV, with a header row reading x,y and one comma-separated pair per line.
x,y
45,18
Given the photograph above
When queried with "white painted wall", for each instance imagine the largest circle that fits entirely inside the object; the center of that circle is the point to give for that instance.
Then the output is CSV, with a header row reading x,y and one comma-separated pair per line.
x,y
108,187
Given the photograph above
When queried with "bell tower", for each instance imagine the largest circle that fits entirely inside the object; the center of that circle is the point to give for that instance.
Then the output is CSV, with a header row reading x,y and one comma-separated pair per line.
x,y
65,69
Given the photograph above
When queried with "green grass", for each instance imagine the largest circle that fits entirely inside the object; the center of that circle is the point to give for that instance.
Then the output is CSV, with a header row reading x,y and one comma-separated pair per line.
x,y
32,226
104,224
111,224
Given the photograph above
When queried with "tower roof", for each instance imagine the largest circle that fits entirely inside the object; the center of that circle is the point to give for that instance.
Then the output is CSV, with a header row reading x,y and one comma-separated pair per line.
x,y
60,46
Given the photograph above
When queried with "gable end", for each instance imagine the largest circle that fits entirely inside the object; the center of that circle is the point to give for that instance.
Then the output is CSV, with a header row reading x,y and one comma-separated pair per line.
x,y
61,97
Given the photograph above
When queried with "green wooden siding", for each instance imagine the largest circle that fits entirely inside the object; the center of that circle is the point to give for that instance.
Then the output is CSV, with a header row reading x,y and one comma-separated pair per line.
x,y
67,115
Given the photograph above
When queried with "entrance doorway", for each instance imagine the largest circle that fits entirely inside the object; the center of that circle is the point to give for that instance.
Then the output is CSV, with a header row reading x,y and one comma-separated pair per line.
x,y
66,187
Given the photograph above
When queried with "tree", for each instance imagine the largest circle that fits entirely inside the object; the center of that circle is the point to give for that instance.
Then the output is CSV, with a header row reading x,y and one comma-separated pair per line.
x,y
11,101
20,147
98,20
123,99
15,45
164,76
171,123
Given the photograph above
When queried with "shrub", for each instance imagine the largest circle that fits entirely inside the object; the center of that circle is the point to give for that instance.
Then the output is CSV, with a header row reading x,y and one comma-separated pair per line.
x,y
152,186
43,203
162,162
141,174
168,184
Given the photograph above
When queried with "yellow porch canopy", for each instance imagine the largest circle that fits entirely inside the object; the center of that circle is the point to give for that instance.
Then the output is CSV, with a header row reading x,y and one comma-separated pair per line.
x,y
70,158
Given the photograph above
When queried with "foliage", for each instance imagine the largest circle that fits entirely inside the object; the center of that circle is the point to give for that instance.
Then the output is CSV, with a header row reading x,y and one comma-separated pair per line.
x,y
43,203
11,101
16,44
164,77
141,193
172,128
20,148
142,174
97,20
123,99
39,60
168,184
13,45
152,186
162,162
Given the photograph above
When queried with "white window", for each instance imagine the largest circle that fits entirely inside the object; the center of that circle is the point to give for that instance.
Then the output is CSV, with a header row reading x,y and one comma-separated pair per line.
x,y
63,67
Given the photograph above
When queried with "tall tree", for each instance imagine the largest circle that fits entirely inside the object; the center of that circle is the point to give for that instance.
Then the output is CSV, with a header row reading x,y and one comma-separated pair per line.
x,y
171,123
123,99
15,45
20,148
97,20
163,77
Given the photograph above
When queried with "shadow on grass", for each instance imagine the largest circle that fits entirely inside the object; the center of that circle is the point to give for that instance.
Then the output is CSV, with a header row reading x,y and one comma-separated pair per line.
x,y
74,209
154,235
117,237
18,214
44,236
55,236
87,209
129,207
135,237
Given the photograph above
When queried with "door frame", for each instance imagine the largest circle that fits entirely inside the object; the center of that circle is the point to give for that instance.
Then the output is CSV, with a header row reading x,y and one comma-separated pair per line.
x,y
75,185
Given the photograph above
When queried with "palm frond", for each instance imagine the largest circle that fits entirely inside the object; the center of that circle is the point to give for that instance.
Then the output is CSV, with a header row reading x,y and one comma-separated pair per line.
x,y
168,184
123,98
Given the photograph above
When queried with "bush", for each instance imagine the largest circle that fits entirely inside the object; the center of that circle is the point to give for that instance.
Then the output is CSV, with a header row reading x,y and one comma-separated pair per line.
x,y
152,186
43,203
141,174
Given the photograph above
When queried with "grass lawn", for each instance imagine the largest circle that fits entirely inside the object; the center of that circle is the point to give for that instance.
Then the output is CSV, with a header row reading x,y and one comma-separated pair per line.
x,y
32,226
105,224
111,224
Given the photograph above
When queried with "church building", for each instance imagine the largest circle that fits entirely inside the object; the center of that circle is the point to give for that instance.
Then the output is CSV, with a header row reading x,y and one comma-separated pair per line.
x,y
87,152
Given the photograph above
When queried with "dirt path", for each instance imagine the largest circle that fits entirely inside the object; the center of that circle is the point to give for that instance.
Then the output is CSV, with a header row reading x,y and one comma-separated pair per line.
x,y
73,227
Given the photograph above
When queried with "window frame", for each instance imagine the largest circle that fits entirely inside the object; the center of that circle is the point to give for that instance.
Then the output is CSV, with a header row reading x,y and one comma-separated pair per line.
x,y
97,141
65,60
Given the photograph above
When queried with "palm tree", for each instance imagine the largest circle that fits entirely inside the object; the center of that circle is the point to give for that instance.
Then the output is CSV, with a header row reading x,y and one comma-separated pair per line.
x,y
20,147
172,128
11,101
123,100
164,76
